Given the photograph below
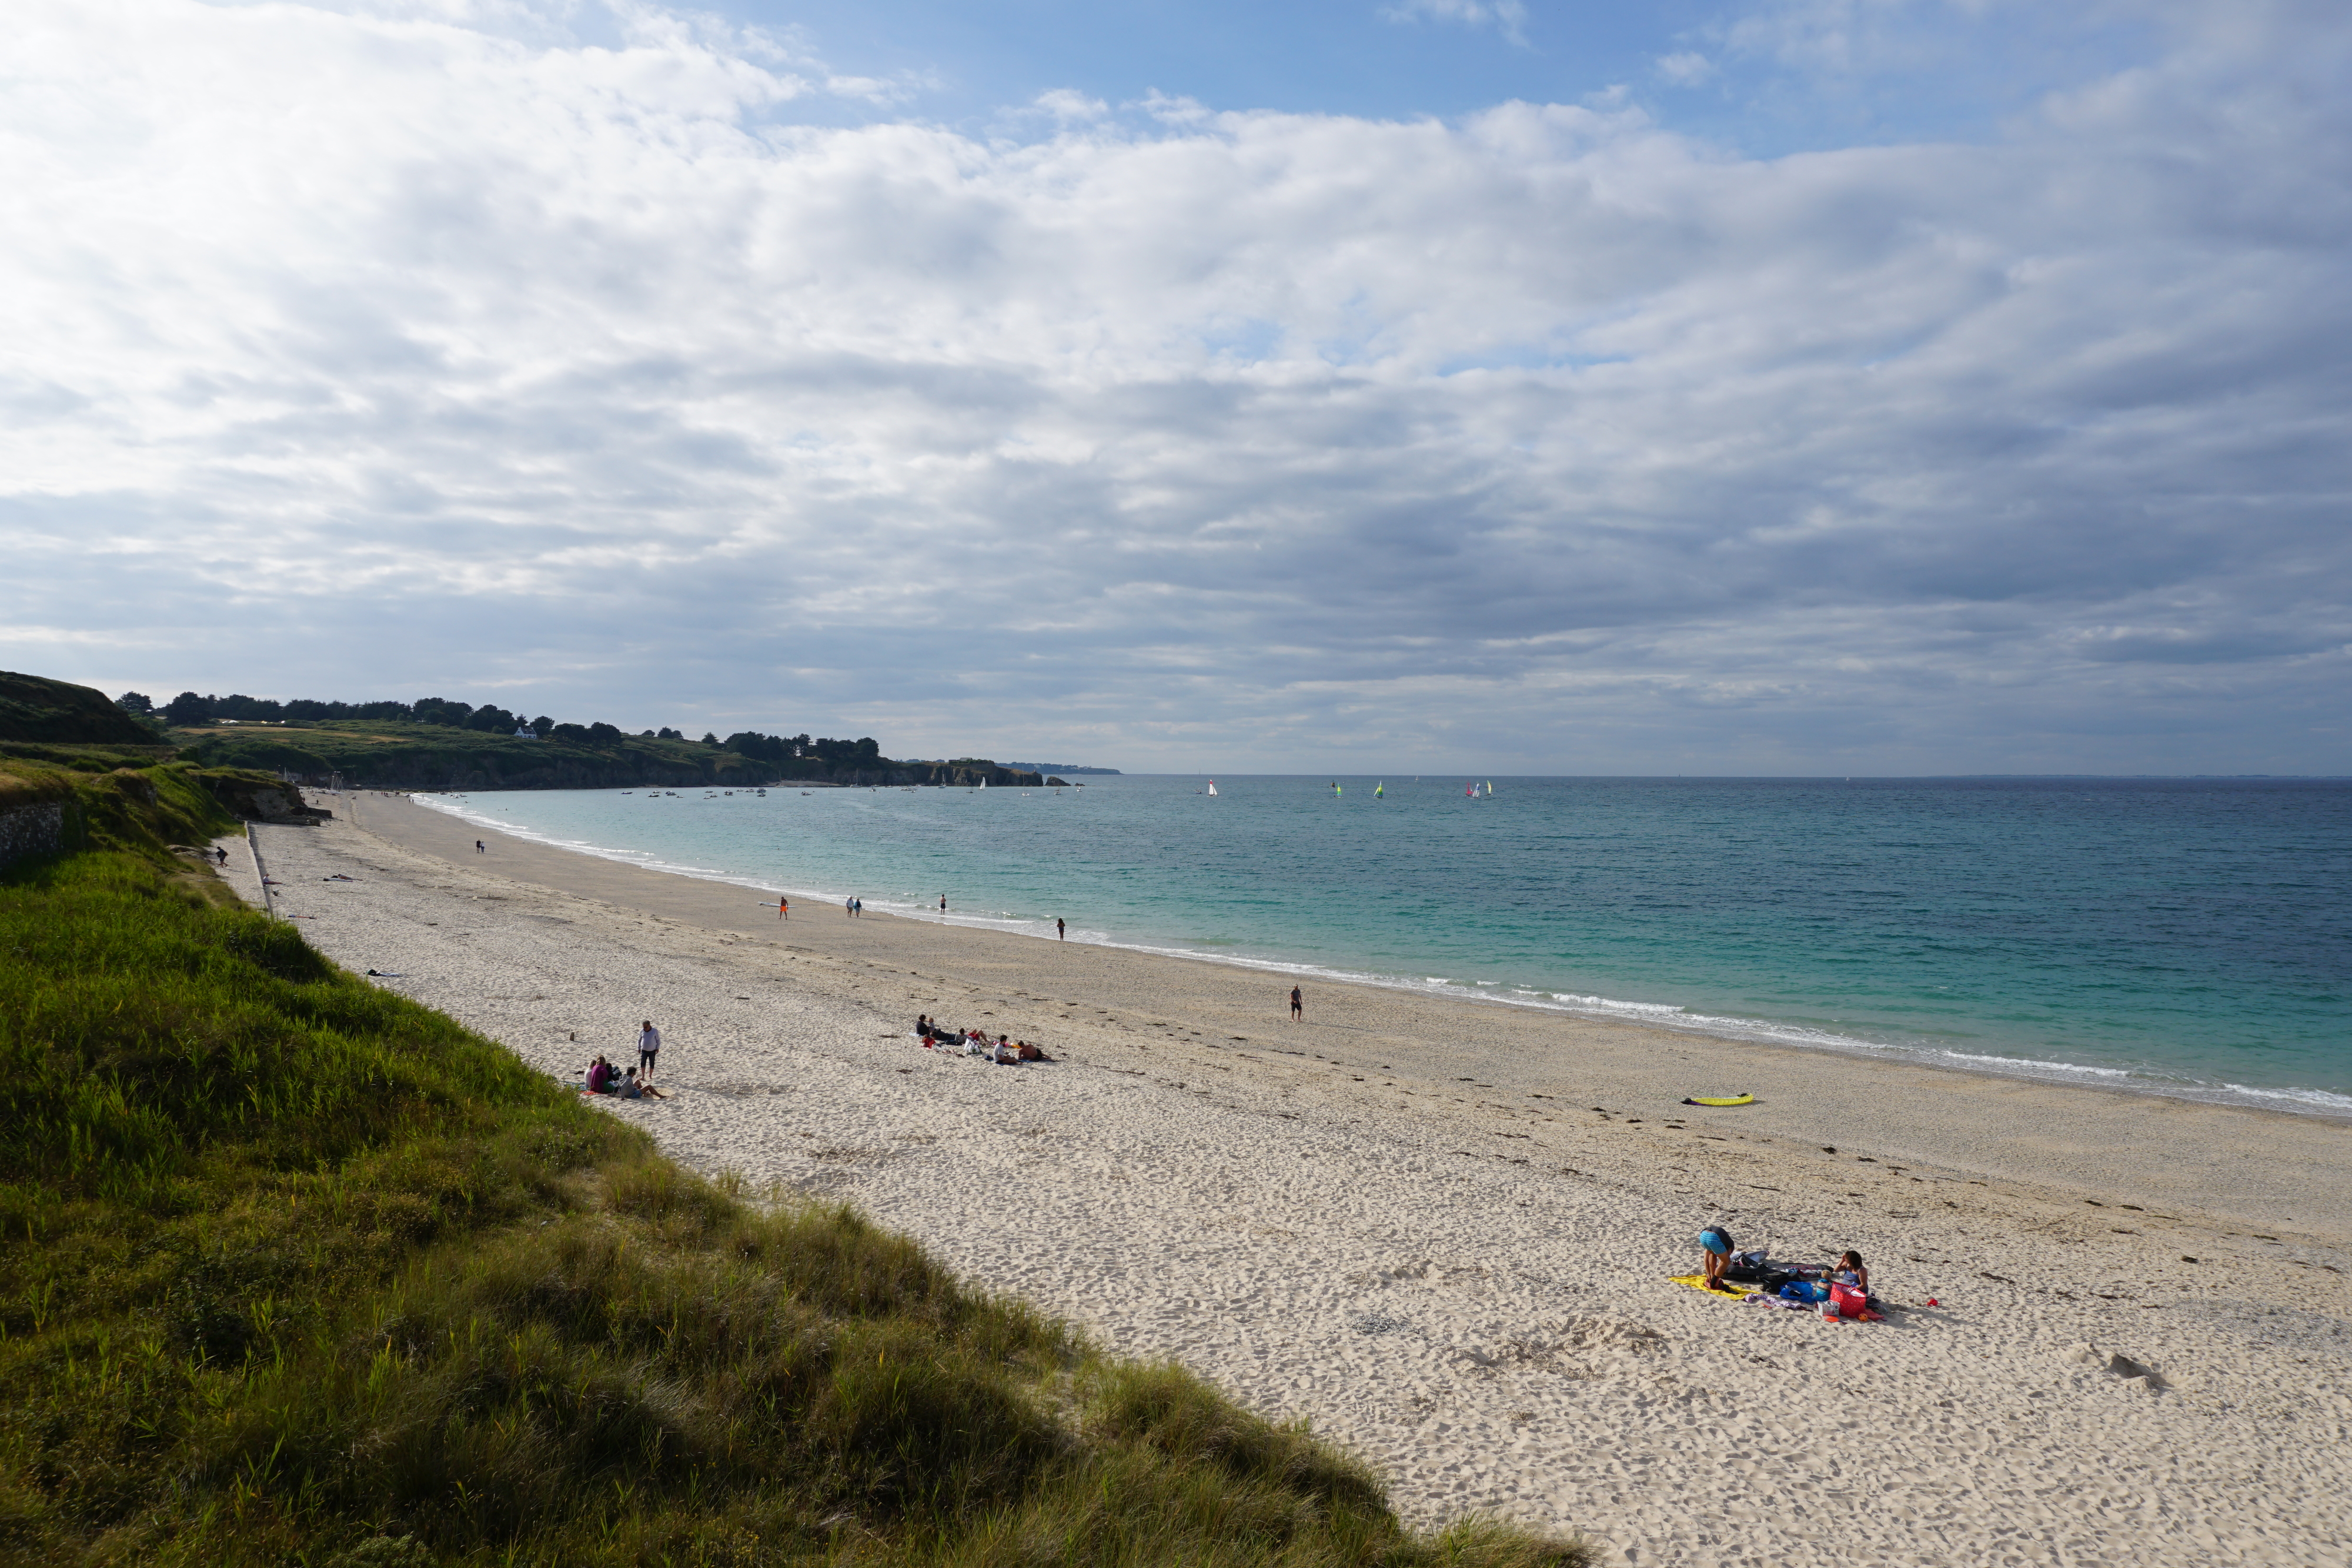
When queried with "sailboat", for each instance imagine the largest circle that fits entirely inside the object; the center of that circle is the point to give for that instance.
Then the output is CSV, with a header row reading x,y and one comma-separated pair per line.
x,y
1335,789
1471,789
1490,789
1213,785
1379,788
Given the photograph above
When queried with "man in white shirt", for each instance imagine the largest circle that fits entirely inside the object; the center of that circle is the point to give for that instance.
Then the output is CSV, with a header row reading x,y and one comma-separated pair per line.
x,y
648,1046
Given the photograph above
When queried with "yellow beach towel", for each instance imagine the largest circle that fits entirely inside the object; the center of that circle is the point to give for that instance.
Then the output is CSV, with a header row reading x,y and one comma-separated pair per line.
x,y
1698,1282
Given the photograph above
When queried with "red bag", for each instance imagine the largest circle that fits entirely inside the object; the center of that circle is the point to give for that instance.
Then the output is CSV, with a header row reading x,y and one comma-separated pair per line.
x,y
1850,1301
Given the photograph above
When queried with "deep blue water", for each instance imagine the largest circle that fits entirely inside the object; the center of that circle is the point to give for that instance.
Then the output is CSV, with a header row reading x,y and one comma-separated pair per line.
x,y
2185,937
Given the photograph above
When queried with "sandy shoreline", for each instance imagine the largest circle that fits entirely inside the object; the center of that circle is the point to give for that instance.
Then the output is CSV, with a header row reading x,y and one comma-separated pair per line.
x,y
1404,1220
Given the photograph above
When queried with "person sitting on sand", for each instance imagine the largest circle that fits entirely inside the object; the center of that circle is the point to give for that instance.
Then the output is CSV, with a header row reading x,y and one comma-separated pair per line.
x,y
630,1088
600,1076
1717,1244
1849,1271
1028,1052
1004,1054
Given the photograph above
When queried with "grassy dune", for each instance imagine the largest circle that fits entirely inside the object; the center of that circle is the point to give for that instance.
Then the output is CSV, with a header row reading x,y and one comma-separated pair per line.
x,y
297,1271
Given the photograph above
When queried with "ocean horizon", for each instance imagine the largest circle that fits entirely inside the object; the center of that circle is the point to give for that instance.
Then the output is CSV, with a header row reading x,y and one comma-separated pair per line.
x,y
2186,936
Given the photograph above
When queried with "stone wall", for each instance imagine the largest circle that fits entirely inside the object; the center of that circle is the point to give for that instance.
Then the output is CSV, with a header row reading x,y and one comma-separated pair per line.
x,y
32,831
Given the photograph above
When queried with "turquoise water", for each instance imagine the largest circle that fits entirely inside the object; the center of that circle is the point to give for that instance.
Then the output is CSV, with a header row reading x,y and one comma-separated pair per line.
x,y
2187,937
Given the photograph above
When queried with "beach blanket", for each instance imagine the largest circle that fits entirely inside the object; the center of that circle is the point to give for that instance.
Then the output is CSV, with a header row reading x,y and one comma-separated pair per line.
x,y
1736,1294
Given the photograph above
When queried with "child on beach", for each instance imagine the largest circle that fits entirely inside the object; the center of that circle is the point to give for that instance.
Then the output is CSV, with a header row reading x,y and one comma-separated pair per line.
x,y
1717,1245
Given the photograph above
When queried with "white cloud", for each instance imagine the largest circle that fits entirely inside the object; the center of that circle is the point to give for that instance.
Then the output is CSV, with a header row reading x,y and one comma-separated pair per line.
x,y
1066,106
1686,68
356,354
1508,17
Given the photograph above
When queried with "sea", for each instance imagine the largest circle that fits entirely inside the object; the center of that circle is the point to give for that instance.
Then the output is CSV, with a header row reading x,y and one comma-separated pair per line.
x,y
2188,937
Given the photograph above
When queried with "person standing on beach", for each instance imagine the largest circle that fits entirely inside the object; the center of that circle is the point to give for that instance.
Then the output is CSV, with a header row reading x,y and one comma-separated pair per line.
x,y
943,903
1061,932
648,1047
1297,1006
477,847
849,909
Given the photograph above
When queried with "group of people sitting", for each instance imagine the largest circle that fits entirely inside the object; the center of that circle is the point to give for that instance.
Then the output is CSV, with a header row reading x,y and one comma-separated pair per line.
x,y
604,1077
1004,1051
1844,1284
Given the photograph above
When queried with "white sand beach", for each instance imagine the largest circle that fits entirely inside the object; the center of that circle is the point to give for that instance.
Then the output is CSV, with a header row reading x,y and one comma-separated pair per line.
x,y
1441,1230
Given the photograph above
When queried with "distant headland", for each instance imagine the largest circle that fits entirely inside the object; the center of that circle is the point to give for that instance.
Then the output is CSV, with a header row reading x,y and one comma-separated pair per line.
x,y
434,743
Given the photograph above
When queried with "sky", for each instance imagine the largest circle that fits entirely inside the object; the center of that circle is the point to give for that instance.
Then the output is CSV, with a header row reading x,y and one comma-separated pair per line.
x,y
1777,387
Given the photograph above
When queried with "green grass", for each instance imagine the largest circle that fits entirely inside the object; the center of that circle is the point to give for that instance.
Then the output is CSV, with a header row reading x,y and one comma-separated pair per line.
x,y
399,753
35,708
293,1271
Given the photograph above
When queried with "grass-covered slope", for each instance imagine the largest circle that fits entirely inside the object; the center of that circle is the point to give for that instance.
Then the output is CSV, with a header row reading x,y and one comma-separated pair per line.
x,y
397,754
293,1271
35,708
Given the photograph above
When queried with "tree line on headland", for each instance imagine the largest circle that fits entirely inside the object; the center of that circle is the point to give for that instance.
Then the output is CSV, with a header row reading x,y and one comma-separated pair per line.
x,y
434,743
188,711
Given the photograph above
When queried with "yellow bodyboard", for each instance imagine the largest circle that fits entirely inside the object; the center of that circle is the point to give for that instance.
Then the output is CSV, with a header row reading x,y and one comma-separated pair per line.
x,y
1722,1100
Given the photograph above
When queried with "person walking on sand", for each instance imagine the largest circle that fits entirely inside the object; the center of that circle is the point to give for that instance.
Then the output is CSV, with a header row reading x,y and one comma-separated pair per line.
x,y
1297,1006
648,1047
849,909
477,847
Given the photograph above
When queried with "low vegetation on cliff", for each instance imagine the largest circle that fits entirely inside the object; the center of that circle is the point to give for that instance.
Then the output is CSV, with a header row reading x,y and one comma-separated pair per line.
x,y
37,709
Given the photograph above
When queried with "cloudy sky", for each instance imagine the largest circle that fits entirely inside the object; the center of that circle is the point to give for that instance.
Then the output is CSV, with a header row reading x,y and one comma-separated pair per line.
x,y
1775,386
